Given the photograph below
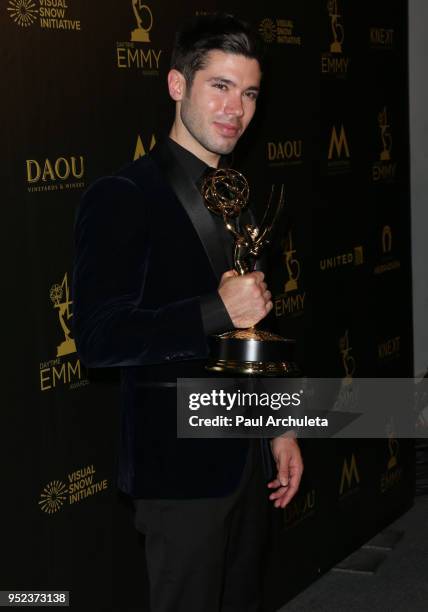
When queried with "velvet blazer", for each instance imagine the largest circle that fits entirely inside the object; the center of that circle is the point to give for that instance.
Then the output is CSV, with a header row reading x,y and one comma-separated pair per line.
x,y
146,251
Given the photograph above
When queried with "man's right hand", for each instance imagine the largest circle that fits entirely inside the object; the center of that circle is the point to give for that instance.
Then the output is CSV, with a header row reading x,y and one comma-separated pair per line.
x,y
246,298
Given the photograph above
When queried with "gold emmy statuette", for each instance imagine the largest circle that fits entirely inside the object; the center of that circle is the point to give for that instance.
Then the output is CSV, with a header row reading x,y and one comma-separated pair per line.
x,y
292,264
336,27
386,239
393,451
245,351
347,359
141,34
386,136
56,293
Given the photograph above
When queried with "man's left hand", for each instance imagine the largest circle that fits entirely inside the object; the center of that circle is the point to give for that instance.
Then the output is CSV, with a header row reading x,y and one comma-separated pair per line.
x,y
289,464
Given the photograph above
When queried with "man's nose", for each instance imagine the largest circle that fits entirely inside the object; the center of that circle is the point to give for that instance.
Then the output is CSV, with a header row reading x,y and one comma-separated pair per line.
x,y
234,105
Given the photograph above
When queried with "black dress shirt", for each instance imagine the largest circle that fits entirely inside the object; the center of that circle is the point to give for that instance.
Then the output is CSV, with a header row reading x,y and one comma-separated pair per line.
x,y
215,317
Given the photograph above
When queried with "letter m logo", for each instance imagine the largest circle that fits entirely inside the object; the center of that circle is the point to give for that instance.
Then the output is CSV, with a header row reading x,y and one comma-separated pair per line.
x,y
349,474
140,150
338,143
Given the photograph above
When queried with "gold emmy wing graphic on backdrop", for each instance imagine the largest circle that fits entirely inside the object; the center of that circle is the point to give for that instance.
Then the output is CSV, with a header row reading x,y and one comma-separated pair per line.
x,y
292,264
23,12
56,294
385,135
141,34
386,239
245,351
336,27
348,361
393,446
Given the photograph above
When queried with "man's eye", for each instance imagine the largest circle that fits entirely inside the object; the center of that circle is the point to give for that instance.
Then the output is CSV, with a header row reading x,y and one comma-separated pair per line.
x,y
252,95
221,86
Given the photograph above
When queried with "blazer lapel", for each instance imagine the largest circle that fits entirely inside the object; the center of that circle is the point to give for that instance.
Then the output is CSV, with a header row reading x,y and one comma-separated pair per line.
x,y
193,204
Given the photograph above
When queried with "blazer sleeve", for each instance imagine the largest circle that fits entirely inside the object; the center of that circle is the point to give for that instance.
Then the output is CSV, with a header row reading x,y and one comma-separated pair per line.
x,y
112,249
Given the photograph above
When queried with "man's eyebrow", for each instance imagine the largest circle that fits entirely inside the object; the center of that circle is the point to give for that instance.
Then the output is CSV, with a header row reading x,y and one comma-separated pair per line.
x,y
220,79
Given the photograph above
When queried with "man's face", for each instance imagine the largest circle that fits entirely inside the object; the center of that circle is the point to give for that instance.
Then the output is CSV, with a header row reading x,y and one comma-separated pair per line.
x,y
220,104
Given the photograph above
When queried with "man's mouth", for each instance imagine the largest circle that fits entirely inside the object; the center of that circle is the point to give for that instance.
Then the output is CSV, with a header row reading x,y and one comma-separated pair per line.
x,y
227,129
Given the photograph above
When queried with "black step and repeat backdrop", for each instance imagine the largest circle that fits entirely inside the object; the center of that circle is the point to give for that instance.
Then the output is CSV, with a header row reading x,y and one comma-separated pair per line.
x,y
84,92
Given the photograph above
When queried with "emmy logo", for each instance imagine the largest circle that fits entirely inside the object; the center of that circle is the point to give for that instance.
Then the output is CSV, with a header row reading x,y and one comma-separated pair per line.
x,y
386,239
56,294
336,26
141,34
293,265
385,135
348,360
393,451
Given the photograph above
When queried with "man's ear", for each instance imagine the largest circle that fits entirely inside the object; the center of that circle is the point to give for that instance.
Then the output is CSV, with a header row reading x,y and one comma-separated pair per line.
x,y
176,85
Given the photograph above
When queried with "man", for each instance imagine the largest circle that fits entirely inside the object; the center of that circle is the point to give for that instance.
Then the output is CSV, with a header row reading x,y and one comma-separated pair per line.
x,y
153,278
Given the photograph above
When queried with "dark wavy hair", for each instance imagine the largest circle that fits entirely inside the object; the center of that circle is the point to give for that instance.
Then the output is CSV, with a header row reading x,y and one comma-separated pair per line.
x,y
218,32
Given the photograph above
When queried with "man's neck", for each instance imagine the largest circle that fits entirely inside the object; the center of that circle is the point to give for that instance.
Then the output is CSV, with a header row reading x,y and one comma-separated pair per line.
x,y
211,159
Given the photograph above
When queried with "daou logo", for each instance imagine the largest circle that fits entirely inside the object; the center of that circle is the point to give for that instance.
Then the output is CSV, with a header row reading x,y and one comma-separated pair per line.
x,y
59,170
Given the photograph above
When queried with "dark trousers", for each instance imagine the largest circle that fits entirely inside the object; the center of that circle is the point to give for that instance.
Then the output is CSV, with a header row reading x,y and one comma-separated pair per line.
x,y
206,555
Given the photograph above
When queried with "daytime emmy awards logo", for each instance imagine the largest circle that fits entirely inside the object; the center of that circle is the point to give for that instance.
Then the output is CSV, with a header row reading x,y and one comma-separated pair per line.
x,y
348,394
393,452
135,53
291,302
348,360
385,168
57,293
336,26
141,34
386,239
385,134
334,62
23,12
65,368
394,471
292,264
